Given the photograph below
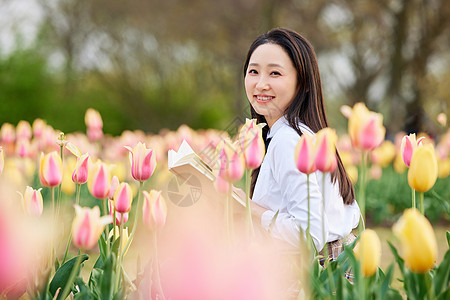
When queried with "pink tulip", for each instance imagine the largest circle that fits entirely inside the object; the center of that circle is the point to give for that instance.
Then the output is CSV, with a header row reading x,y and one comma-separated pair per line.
x,y
118,216
254,148
23,130
38,128
409,144
80,174
231,160
123,198
305,154
221,184
51,169
155,210
365,127
33,203
94,124
325,160
2,160
113,187
7,133
87,226
99,180
143,162
23,147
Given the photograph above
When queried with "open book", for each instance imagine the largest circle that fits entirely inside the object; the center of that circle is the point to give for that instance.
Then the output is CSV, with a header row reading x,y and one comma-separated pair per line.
x,y
189,167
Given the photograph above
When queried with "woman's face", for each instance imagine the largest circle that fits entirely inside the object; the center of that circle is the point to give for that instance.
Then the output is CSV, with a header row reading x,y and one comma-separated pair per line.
x,y
270,81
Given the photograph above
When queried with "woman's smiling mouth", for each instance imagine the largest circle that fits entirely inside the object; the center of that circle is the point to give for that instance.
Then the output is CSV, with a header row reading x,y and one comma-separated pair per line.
x,y
263,98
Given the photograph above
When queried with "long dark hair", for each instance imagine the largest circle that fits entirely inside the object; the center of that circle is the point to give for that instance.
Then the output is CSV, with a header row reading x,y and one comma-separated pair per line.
x,y
308,105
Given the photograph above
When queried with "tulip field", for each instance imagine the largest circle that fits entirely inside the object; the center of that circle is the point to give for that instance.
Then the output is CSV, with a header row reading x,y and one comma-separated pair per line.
x,y
94,216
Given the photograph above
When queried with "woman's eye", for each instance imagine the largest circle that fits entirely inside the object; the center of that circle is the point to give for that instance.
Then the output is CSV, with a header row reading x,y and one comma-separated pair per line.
x,y
276,73
252,71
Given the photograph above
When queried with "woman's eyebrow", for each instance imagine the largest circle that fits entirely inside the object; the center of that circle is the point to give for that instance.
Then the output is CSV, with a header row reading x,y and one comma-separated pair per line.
x,y
269,65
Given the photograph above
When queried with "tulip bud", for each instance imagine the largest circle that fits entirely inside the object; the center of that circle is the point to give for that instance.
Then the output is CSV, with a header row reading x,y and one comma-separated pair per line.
x,y
305,154
99,180
7,133
94,124
423,171
325,159
143,162
154,210
38,127
254,148
2,160
231,160
249,124
368,251
113,187
123,198
409,144
365,127
23,130
417,240
23,148
118,215
87,226
32,201
80,174
51,169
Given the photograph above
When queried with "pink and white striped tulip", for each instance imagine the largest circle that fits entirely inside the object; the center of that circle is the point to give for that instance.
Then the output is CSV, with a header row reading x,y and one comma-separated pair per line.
x,y
2,160
99,180
23,148
118,215
365,127
155,210
254,148
409,144
7,133
23,130
94,124
231,160
33,203
87,226
143,162
51,169
81,172
123,197
305,154
325,160
113,187
38,127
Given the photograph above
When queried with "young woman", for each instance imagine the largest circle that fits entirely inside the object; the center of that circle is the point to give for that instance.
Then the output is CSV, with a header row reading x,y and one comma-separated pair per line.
x,y
283,85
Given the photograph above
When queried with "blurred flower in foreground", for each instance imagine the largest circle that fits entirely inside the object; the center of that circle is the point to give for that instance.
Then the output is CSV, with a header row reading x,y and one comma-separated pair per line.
x,y
155,210
143,162
368,251
87,226
51,169
304,154
252,143
365,127
94,124
409,144
99,180
423,170
32,201
417,239
325,159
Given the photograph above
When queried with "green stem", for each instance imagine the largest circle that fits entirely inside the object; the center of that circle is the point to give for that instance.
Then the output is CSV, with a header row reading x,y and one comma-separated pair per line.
x,y
413,198
136,215
71,279
250,229
52,192
309,211
119,253
422,207
105,213
77,201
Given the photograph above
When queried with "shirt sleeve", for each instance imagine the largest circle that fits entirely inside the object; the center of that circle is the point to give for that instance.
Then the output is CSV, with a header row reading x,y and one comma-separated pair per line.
x,y
294,189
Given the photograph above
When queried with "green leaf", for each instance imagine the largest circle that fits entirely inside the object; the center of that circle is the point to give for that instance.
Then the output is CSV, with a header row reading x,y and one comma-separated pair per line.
x,y
107,281
102,247
386,281
442,276
56,264
63,273
447,234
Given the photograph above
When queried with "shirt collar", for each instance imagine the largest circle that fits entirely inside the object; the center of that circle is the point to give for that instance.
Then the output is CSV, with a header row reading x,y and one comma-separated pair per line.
x,y
276,126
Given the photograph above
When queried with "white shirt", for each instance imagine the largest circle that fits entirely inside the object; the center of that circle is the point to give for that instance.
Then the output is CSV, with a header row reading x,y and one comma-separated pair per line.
x,y
282,187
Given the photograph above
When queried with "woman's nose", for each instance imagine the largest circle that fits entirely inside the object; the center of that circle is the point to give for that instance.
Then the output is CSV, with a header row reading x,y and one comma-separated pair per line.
x,y
262,83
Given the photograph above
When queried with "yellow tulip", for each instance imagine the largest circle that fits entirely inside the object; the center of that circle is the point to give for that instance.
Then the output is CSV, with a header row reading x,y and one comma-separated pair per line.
x,y
368,251
399,165
384,154
444,168
423,170
87,226
417,239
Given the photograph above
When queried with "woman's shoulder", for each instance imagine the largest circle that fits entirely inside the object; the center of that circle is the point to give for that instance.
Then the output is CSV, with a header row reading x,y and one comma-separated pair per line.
x,y
287,133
